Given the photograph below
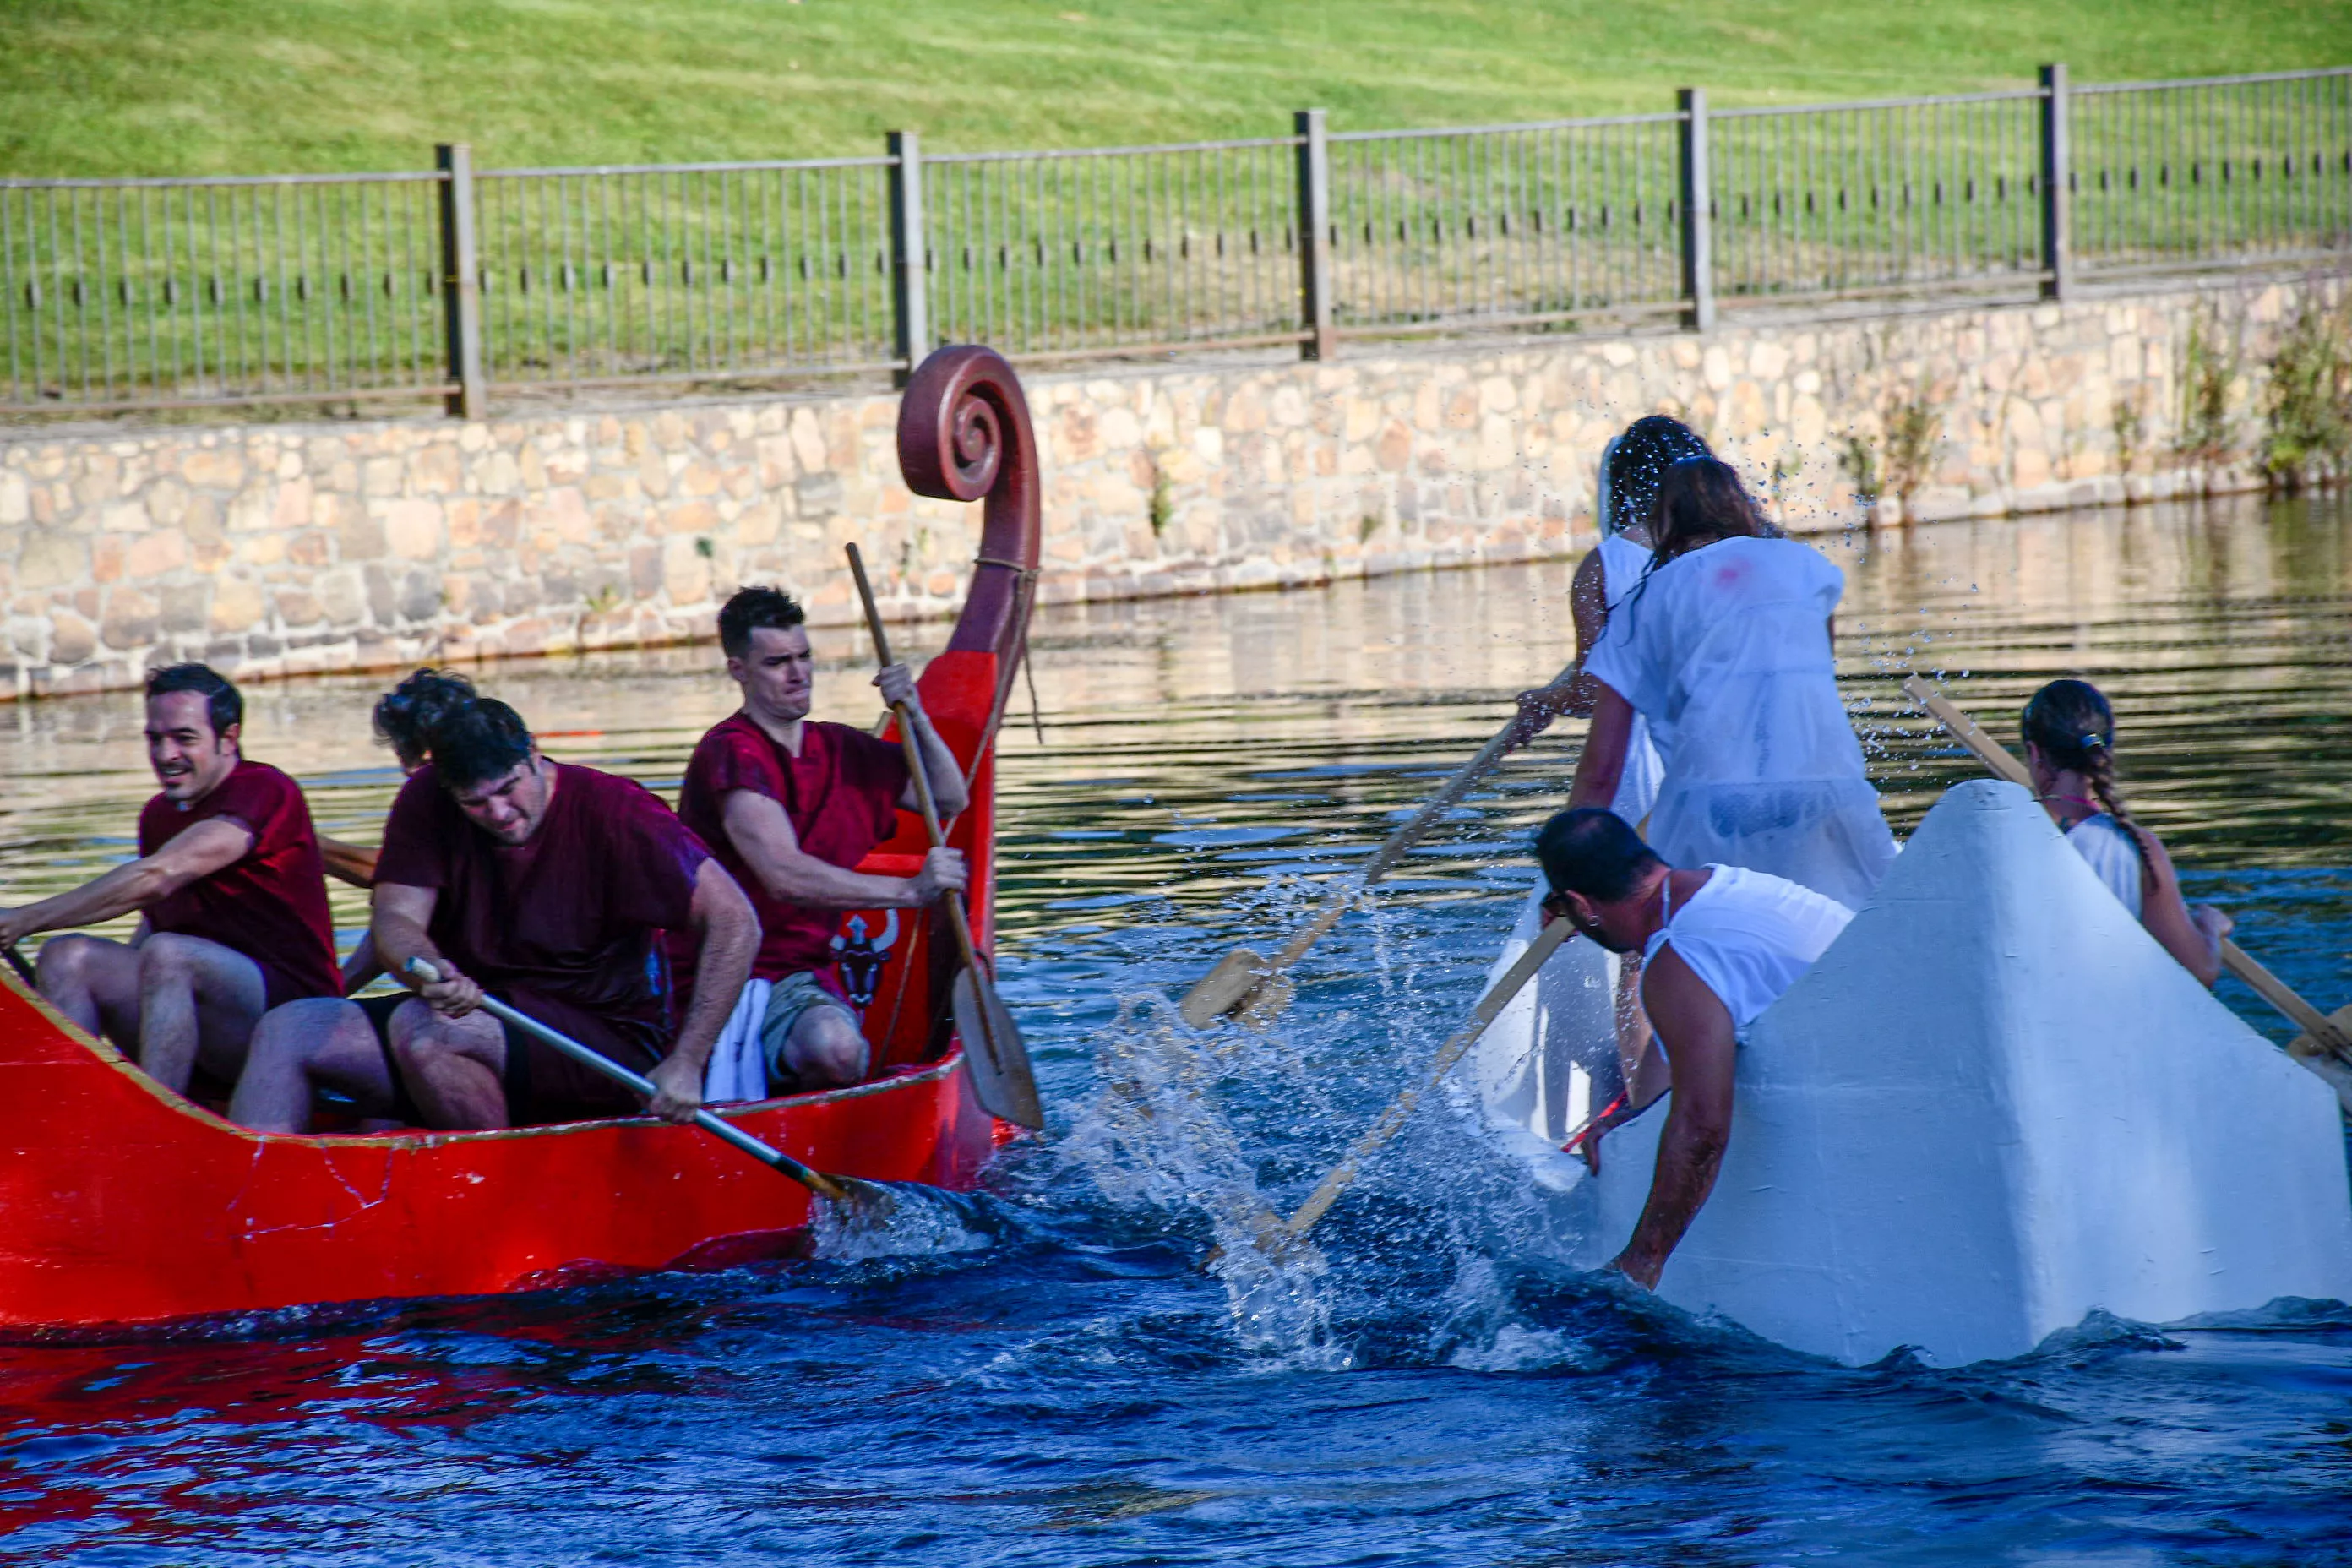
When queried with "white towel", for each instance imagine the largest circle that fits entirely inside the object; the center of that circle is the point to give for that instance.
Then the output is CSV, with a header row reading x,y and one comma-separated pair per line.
x,y
737,1070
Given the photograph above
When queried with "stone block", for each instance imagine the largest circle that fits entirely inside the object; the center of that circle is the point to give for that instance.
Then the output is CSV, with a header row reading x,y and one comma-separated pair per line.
x,y
412,527
213,467
237,606
153,554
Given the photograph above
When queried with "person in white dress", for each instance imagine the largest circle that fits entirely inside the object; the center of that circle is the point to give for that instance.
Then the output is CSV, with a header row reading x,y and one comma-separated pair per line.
x,y
1564,1049
1724,647
2069,734
1722,943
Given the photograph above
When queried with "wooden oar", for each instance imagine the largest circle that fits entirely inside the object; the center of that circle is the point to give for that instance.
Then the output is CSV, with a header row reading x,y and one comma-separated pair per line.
x,y
17,961
839,1189
1002,1080
1274,1235
1247,982
2321,1032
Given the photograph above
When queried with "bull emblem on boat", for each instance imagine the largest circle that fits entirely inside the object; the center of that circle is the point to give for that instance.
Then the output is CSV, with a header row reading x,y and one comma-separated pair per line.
x,y
861,961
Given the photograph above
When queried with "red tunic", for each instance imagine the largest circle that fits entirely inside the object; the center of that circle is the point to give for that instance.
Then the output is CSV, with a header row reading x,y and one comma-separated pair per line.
x,y
565,926
271,905
841,795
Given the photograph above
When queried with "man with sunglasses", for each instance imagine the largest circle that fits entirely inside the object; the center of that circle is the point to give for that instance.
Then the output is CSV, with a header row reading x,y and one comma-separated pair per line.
x,y
1720,945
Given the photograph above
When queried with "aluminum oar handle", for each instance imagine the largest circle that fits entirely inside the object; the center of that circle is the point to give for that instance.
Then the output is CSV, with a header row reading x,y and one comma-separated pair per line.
x,y
815,1181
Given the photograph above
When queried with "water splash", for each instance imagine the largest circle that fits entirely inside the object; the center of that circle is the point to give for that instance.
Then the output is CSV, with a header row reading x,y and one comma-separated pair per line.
x,y
1153,1136
912,1222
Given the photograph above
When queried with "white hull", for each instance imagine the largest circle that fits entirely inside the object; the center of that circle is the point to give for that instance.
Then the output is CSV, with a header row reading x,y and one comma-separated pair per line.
x,y
1994,1106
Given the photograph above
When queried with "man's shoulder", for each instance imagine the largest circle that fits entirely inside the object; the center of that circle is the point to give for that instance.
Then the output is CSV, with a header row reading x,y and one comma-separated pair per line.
x,y
606,789
866,761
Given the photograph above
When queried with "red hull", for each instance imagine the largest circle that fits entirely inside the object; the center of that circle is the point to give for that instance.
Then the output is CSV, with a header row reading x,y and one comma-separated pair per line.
x,y
121,1202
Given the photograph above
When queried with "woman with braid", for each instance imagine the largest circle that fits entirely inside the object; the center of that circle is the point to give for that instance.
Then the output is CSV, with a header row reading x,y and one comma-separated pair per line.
x,y
2070,734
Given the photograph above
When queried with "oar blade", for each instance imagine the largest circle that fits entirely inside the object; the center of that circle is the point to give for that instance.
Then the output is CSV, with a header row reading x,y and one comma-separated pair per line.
x,y
1222,990
994,1055
1261,1008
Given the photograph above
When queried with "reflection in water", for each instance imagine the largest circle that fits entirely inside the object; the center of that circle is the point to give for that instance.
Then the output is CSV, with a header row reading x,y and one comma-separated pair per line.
x,y
1057,1381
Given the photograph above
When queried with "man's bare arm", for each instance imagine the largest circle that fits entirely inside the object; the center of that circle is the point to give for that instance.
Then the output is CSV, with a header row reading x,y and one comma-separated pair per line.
x,y
1695,1029
196,851
756,825
940,764
347,862
730,932
398,930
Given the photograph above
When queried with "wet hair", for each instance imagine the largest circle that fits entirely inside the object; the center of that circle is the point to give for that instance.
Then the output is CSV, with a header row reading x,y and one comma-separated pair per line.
x,y
224,704
479,740
1594,852
2070,723
1636,463
752,608
1699,502
406,715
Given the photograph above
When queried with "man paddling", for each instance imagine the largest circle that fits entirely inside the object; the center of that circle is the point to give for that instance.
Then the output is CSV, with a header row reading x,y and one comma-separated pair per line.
x,y
228,887
1720,944
791,805
547,885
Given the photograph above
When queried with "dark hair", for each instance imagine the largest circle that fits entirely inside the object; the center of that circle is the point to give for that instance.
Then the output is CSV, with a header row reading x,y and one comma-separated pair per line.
x,y
1594,852
223,705
404,716
479,740
2071,723
1637,464
752,608
1699,502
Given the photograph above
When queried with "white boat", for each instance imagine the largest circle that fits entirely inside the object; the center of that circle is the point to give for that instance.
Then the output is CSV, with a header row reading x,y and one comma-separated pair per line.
x,y
1993,1106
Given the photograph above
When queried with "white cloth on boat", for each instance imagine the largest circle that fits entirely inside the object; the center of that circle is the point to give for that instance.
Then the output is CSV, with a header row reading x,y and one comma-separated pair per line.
x,y
737,1070
1549,1061
2112,853
1748,935
1725,651
1622,562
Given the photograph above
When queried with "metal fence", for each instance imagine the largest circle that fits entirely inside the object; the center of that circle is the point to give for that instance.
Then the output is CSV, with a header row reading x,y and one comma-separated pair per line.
x,y
453,284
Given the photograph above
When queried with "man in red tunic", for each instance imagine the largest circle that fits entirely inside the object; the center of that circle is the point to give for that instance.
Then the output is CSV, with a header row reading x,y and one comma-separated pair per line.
x,y
548,886
232,900
791,806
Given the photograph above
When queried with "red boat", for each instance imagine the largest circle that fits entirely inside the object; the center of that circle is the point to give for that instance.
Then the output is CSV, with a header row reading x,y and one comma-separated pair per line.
x,y
122,1203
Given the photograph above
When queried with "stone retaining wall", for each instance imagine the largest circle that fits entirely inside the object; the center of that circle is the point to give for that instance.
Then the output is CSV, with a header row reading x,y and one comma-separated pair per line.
x,y
271,549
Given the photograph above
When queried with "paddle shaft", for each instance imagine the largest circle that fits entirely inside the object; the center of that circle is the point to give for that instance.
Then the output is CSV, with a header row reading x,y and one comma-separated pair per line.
x,y
1395,846
1002,1054
1490,1006
2236,958
816,1182
17,961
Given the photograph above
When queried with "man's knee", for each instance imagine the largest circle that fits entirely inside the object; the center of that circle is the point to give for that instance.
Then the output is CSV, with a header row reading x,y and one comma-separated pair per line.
x,y
69,961
298,1032
421,1036
166,959
828,1047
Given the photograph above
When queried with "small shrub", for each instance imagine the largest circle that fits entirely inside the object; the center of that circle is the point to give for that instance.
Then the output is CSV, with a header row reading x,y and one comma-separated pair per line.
x,y
1367,526
1914,437
1163,501
2131,433
1858,461
2206,369
2307,403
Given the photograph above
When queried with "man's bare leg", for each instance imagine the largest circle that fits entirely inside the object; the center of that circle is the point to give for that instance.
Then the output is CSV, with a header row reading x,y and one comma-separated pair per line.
x,y
94,982
299,1047
825,1049
455,1068
197,1000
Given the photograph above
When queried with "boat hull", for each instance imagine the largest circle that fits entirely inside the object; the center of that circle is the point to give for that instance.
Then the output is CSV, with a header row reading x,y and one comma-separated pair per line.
x,y
1994,1106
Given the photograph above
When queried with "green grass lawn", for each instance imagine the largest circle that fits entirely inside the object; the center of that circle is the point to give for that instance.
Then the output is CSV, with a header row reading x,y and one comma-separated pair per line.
x,y
162,86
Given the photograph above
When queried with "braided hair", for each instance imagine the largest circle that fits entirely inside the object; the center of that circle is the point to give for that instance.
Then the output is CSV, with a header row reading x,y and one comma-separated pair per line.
x,y
2071,723
1636,464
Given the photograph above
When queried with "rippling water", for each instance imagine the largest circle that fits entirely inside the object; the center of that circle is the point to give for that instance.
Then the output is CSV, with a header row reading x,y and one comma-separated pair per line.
x,y
1057,1379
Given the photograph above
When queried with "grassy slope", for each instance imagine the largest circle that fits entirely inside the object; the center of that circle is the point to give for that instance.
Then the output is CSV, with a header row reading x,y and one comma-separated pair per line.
x,y
119,87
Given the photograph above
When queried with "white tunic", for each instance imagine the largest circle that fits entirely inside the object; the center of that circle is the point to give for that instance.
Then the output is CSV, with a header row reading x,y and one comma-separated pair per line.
x,y
2112,853
1622,562
1747,936
1726,652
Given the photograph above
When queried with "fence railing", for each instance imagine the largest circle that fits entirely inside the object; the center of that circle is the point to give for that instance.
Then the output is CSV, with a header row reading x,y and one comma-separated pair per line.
x,y
458,284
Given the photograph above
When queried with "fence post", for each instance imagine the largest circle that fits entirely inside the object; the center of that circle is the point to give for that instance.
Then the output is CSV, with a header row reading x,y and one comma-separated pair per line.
x,y
1314,237
910,298
461,281
1698,212
2057,187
